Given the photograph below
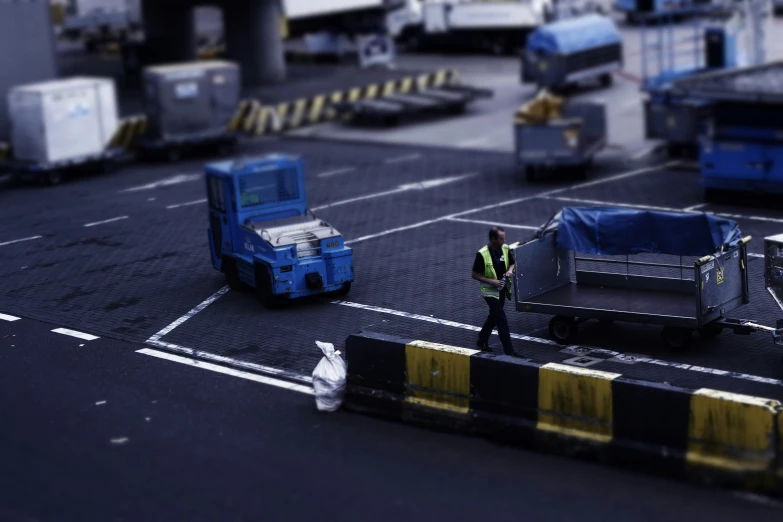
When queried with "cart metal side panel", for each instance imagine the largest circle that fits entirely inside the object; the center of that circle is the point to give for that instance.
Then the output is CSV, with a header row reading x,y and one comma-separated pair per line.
x,y
541,267
723,283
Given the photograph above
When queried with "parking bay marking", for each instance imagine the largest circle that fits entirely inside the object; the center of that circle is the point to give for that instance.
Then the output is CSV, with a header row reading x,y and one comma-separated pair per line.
x,y
74,333
421,185
165,182
111,220
177,205
6,317
586,184
399,159
20,240
335,172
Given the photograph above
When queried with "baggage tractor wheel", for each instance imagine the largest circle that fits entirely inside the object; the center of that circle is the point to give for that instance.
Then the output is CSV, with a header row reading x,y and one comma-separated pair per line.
x,y
232,275
562,329
710,332
344,290
263,290
676,338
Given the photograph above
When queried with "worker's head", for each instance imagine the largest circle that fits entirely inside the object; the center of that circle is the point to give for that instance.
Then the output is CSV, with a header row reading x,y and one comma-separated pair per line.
x,y
497,237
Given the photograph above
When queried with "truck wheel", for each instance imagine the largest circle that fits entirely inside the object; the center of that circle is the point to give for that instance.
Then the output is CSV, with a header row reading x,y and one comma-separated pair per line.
x,y
562,329
676,338
53,177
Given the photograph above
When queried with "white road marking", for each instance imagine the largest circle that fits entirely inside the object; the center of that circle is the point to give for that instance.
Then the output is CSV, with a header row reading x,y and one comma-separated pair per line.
x,y
492,224
105,221
695,207
119,440
645,152
590,349
211,299
100,403
422,185
74,333
472,142
330,173
5,317
512,202
398,159
750,254
228,371
662,209
20,240
177,205
166,182
758,499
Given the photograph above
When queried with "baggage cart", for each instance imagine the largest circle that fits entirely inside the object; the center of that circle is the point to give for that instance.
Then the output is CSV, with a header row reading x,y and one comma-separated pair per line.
x,y
53,173
173,148
570,141
742,148
563,53
618,264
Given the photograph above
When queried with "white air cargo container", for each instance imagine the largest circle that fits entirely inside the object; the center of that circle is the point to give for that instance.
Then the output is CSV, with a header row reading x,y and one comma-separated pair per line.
x,y
62,120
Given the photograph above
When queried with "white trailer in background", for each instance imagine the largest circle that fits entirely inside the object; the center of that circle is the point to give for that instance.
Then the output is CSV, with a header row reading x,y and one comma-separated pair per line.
x,y
101,21
500,26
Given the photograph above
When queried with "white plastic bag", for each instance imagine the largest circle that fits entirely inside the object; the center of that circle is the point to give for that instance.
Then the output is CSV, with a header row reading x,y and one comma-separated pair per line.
x,y
329,379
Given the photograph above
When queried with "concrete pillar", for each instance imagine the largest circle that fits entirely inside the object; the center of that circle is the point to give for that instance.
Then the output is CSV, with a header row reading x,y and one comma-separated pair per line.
x,y
169,31
27,50
252,29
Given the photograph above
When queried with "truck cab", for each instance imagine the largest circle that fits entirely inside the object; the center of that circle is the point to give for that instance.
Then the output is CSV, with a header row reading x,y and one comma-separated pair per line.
x,y
263,237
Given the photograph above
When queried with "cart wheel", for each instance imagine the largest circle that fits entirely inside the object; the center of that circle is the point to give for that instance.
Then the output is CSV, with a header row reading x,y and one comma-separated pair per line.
x,y
530,173
173,155
676,338
263,290
562,329
53,177
710,332
606,326
606,79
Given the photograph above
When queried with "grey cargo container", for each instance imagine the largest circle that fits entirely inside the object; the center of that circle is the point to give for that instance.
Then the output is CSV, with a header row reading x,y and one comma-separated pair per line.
x,y
191,100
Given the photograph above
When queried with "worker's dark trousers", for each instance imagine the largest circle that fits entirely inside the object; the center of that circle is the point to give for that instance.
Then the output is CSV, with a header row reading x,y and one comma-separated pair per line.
x,y
497,317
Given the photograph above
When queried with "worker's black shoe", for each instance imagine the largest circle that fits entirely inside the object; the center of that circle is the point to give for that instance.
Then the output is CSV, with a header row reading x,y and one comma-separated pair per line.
x,y
483,346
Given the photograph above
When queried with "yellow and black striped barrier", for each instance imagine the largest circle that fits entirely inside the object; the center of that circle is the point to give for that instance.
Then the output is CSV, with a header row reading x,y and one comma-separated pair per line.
x,y
705,435
295,114
128,131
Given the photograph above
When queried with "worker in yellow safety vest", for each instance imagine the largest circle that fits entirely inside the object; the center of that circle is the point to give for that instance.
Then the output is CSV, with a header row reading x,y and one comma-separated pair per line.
x,y
493,268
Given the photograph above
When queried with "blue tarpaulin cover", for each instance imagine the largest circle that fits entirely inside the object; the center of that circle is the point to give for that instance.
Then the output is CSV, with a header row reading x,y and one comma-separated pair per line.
x,y
574,35
621,231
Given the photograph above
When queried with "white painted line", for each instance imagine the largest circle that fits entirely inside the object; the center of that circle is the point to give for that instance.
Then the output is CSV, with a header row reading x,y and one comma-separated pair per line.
x,y
398,159
165,182
74,333
695,207
513,202
5,317
492,224
750,254
228,371
211,299
330,173
662,209
590,349
266,370
422,185
645,152
20,240
119,440
472,142
198,201
105,221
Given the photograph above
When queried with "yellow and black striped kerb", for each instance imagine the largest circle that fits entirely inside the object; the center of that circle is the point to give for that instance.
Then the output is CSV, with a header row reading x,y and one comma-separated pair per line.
x,y
706,435
295,114
128,131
